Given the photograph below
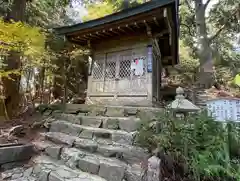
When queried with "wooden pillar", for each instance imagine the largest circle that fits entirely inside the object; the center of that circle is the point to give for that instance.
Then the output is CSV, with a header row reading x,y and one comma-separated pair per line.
x,y
104,71
157,53
90,55
89,84
159,78
154,64
154,78
171,28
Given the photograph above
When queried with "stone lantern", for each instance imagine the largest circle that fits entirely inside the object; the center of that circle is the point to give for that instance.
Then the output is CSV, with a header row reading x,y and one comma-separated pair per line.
x,y
181,105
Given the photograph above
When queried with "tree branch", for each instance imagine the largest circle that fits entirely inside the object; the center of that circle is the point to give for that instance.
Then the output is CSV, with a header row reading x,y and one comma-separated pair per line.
x,y
189,6
217,33
206,4
189,29
221,29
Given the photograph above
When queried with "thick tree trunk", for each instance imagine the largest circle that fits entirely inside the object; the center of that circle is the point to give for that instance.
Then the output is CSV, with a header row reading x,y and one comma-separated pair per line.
x,y
11,85
13,62
204,48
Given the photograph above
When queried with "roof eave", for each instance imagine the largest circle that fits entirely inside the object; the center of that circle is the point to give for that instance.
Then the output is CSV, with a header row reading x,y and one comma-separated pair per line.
x,y
114,17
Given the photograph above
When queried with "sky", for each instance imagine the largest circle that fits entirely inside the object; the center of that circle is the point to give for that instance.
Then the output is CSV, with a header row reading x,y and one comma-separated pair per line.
x,y
76,12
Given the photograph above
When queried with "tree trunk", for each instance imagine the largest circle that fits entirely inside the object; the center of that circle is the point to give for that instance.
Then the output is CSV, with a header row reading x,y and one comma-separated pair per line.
x,y
204,48
28,87
126,4
42,77
11,85
58,80
17,11
13,62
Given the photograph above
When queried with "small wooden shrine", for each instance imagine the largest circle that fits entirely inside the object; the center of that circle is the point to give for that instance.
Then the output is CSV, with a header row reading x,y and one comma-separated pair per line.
x,y
128,51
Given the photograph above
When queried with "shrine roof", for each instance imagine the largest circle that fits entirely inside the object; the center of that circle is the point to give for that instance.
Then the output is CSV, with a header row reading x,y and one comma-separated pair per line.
x,y
124,14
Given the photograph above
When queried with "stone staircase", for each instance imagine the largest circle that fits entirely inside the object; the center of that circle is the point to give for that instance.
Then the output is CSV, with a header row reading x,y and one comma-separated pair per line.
x,y
90,143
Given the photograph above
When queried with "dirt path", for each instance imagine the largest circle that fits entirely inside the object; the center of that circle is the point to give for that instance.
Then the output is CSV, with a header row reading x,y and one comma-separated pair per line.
x,y
28,133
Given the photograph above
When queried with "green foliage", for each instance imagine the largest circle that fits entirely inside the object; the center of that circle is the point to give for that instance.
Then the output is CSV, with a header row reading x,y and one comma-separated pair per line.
x,y
98,10
119,4
47,13
222,27
186,71
225,16
106,7
22,38
187,24
207,149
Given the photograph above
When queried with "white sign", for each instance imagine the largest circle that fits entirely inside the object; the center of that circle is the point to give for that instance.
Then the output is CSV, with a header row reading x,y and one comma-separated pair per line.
x,y
224,109
137,65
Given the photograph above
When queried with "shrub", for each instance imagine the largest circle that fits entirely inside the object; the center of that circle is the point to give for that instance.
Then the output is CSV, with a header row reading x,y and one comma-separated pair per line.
x,y
196,148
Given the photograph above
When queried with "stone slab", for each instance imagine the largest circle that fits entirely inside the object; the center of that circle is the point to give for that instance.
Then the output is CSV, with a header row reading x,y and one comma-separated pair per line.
x,y
130,153
99,169
122,137
115,135
93,121
129,124
69,117
86,144
75,108
41,145
109,150
89,164
18,174
95,164
57,171
111,123
115,112
131,111
97,111
53,151
90,132
126,123
44,175
16,153
134,173
65,127
109,110
72,155
60,138
111,171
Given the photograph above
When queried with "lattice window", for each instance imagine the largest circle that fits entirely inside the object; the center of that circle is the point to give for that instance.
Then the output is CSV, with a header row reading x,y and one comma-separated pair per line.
x,y
125,69
110,70
98,70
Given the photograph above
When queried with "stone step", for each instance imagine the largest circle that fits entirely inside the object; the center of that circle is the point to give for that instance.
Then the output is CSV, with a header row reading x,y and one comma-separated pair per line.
x,y
48,169
110,111
88,132
128,124
18,174
108,168
202,96
127,153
